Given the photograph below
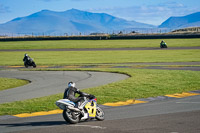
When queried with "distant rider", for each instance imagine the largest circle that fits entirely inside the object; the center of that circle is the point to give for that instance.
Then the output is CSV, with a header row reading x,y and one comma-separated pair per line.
x,y
26,57
163,44
70,93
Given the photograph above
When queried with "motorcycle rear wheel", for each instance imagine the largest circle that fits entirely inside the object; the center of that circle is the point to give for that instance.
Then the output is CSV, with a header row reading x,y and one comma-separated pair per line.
x,y
99,114
67,115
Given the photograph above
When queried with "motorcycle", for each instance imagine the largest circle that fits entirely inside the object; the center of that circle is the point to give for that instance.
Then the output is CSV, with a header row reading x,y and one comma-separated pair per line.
x,y
88,110
163,45
29,62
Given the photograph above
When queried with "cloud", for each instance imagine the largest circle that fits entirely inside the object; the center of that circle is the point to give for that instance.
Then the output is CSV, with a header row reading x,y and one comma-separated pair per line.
x,y
4,9
151,14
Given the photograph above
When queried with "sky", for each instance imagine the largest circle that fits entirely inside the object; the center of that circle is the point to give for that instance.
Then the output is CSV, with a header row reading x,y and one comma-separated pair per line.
x,y
146,11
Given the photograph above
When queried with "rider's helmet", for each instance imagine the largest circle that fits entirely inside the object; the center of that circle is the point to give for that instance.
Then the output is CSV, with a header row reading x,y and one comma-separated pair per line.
x,y
71,84
25,54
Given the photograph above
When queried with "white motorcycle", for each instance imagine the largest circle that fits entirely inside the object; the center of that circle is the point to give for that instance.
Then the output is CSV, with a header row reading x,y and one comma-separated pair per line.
x,y
88,110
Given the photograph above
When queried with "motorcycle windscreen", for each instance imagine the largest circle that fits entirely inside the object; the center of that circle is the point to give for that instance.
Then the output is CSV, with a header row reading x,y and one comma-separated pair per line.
x,y
91,108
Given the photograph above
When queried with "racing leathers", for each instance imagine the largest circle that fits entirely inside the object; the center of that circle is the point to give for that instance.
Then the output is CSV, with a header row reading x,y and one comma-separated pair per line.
x,y
26,58
70,93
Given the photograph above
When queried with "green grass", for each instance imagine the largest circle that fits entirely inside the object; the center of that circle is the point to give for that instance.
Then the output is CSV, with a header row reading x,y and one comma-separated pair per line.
x,y
97,43
147,83
99,57
143,83
7,83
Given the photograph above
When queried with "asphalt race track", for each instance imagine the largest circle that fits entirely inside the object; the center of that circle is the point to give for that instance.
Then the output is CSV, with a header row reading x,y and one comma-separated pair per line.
x,y
102,49
44,83
168,116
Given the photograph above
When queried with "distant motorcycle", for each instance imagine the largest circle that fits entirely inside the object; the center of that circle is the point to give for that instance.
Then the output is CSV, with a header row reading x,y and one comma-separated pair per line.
x,y
29,62
89,111
163,45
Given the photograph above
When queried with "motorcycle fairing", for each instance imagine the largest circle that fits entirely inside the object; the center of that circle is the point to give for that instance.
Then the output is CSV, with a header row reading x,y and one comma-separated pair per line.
x,y
62,103
91,108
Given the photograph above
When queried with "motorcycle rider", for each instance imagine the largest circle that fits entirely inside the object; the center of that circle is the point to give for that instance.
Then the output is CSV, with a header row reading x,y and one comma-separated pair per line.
x,y
26,57
70,93
28,61
163,44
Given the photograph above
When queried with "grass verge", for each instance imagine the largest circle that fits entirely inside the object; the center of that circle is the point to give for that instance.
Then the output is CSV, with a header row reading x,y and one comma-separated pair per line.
x,y
143,83
97,43
7,83
100,57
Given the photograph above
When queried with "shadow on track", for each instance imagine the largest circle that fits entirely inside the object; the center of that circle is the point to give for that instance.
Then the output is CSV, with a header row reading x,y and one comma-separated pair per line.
x,y
43,123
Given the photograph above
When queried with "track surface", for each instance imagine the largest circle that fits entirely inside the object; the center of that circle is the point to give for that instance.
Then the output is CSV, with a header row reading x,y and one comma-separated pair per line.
x,y
168,116
102,49
44,83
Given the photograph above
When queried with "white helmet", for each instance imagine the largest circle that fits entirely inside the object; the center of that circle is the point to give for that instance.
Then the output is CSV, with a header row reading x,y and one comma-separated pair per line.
x,y
71,84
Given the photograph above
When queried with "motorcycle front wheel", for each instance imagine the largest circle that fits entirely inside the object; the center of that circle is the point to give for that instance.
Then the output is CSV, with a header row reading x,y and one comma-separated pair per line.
x,y
71,116
99,114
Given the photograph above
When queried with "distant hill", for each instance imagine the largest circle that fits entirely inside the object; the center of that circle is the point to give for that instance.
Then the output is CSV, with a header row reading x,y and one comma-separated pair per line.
x,y
192,20
71,22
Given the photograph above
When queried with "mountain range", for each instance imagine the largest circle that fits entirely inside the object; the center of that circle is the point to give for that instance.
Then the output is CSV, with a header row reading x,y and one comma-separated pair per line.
x,y
191,20
82,22
70,21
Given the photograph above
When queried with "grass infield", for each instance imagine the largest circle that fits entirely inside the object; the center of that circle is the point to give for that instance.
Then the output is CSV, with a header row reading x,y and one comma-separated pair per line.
x,y
100,57
56,44
7,83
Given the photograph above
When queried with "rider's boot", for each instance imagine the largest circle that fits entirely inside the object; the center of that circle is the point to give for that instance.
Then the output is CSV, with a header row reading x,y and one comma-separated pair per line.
x,y
85,116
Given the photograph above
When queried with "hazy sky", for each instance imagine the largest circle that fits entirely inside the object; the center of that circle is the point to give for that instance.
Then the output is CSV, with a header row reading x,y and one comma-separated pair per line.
x,y
146,11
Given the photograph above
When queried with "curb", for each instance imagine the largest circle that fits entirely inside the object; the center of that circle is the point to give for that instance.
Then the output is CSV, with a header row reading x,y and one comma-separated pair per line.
x,y
146,100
